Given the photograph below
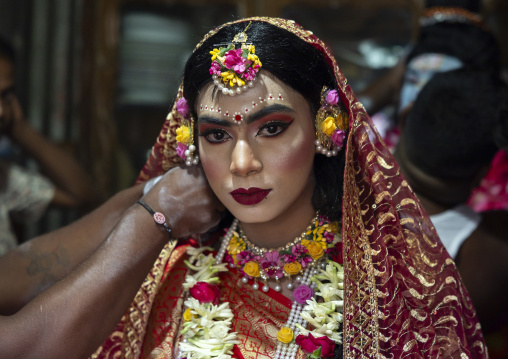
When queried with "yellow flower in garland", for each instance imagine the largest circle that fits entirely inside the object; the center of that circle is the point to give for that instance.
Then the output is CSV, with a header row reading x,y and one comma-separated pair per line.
x,y
183,134
292,268
236,245
317,234
316,251
252,269
328,126
333,227
321,241
187,315
285,335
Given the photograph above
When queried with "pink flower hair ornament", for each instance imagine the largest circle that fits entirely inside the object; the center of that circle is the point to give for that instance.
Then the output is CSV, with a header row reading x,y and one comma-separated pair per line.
x,y
234,70
331,124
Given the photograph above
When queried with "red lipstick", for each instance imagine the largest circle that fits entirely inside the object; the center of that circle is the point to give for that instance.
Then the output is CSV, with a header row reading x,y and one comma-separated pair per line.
x,y
251,196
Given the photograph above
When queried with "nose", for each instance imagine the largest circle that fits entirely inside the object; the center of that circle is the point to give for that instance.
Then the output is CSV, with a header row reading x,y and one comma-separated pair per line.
x,y
243,160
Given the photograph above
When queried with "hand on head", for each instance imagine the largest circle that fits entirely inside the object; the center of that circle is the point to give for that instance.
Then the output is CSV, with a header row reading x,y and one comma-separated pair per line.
x,y
185,198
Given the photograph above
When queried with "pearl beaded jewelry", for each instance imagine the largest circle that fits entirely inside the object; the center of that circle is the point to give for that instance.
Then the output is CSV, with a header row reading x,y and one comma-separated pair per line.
x,y
325,151
229,91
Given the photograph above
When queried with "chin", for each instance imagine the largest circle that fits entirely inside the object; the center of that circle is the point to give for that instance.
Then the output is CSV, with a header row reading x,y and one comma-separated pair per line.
x,y
251,214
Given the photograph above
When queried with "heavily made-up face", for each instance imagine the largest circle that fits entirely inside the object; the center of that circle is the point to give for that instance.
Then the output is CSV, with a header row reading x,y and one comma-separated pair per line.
x,y
257,150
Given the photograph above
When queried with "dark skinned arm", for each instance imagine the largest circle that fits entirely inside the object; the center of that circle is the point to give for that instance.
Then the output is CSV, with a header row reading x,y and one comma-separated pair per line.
x,y
76,314
37,264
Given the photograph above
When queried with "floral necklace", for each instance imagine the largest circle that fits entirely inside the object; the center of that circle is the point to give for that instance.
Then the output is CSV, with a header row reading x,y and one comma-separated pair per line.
x,y
306,251
318,298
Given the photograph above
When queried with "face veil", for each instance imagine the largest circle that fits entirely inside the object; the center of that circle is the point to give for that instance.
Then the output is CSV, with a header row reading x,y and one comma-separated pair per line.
x,y
403,294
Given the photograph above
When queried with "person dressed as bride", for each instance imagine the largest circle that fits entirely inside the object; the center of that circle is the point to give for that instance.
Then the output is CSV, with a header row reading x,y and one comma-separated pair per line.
x,y
325,250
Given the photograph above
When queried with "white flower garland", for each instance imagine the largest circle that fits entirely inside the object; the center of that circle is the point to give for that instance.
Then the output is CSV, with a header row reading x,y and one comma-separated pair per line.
x,y
207,332
326,316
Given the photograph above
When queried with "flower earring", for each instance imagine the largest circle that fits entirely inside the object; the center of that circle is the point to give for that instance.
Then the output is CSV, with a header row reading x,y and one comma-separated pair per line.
x,y
331,124
185,135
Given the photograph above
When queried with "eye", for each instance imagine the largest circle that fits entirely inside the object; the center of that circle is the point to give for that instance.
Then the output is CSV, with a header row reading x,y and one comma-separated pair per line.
x,y
273,129
215,135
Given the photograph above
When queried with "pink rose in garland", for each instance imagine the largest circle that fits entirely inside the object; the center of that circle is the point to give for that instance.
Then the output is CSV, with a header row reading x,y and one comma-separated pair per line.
x,y
205,293
303,293
322,347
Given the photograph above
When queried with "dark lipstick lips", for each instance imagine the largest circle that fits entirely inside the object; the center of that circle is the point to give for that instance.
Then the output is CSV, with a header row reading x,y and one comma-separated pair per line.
x,y
249,196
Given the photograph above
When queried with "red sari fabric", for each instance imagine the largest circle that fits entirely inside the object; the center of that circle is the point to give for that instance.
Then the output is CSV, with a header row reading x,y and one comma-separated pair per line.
x,y
403,295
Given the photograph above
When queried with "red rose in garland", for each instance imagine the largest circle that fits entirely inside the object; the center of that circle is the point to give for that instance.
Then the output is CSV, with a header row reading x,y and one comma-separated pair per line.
x,y
205,293
322,347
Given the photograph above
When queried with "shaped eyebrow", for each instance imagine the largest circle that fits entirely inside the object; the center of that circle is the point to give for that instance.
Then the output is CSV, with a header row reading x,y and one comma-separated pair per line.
x,y
250,119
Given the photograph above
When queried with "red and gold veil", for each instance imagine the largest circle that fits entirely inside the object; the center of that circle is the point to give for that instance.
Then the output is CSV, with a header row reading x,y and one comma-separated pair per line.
x,y
404,297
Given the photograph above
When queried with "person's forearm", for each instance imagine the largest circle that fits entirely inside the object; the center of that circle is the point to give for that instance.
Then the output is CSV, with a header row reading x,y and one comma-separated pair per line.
x,y
106,286
60,167
40,262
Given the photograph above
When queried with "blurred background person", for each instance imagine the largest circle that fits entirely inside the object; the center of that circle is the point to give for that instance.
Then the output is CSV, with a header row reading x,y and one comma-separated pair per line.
x,y
25,194
446,145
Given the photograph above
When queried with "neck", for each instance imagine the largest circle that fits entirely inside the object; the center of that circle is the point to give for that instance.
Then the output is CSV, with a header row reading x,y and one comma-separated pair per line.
x,y
284,228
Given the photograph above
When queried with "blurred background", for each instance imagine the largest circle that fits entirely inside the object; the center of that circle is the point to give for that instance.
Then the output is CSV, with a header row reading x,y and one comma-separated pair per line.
x,y
97,77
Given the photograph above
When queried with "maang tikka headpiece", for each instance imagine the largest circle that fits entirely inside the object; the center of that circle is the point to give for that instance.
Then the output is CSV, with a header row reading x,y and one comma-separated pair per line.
x,y
235,70
331,124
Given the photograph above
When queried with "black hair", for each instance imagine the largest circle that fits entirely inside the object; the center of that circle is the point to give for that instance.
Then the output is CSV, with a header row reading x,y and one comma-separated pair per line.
x,y
298,65
471,5
501,132
7,51
449,132
475,47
